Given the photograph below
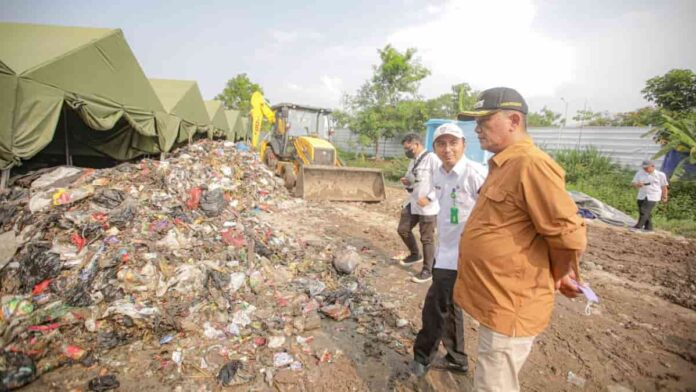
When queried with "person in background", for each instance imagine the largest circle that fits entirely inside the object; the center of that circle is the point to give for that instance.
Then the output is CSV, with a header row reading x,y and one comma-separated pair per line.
x,y
456,185
652,187
523,241
418,182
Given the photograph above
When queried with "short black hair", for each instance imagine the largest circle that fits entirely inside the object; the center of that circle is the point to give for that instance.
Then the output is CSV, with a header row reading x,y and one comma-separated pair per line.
x,y
412,137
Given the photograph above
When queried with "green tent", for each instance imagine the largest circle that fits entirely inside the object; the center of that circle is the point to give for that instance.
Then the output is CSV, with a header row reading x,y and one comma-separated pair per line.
x,y
183,99
216,112
239,125
92,71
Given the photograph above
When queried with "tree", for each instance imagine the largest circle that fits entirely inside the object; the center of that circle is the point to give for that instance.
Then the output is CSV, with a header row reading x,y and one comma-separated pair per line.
x,y
643,117
597,119
675,91
386,104
462,97
544,118
679,135
237,93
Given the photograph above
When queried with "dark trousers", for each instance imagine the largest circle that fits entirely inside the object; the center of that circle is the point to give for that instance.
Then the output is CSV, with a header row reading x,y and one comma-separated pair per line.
x,y
645,208
426,225
442,321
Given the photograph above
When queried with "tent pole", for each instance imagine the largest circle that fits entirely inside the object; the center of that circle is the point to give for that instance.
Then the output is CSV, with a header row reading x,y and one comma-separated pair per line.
x,y
5,178
68,157
163,156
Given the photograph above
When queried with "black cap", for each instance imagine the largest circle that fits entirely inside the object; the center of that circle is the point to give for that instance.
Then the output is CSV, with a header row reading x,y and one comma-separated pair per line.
x,y
493,100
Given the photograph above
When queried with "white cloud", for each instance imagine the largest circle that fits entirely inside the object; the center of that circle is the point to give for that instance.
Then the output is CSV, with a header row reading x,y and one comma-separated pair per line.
x,y
487,44
283,37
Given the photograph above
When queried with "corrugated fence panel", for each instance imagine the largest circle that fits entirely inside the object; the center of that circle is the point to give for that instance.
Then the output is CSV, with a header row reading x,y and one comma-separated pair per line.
x,y
625,145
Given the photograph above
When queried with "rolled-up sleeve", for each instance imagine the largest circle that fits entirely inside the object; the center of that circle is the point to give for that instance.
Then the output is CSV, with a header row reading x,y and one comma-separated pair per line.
x,y
553,212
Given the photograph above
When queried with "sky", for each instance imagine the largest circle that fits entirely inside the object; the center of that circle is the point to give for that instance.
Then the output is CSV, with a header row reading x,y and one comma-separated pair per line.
x,y
566,55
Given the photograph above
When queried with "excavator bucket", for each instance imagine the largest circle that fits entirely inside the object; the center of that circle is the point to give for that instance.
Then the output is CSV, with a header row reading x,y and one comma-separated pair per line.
x,y
317,182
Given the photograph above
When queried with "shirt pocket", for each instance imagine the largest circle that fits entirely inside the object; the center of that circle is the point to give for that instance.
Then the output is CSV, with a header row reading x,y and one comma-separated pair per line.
x,y
500,205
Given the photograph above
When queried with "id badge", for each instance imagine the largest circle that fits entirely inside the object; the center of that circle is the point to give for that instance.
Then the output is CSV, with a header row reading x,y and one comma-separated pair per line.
x,y
454,215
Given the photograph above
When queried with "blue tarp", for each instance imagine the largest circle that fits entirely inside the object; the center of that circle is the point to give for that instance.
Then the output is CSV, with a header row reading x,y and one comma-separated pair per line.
x,y
671,161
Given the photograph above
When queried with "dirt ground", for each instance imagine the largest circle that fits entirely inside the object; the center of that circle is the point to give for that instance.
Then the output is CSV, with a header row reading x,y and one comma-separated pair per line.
x,y
642,336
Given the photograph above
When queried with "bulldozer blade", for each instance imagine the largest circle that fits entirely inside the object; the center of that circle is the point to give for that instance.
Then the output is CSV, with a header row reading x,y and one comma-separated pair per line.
x,y
317,182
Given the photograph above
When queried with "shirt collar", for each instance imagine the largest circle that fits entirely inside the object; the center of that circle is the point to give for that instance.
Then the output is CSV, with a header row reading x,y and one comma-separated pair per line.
x,y
512,150
422,152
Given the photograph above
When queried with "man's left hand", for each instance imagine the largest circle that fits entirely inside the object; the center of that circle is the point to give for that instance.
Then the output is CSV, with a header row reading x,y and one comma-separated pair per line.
x,y
423,201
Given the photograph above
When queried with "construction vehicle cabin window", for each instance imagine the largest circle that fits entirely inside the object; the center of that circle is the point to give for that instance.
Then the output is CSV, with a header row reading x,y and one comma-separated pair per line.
x,y
308,123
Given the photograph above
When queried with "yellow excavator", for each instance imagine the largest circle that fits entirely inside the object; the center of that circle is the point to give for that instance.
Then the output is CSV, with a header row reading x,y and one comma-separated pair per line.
x,y
298,150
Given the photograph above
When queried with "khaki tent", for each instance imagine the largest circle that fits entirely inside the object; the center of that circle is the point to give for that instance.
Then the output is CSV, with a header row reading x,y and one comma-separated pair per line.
x,y
92,71
239,125
183,99
216,112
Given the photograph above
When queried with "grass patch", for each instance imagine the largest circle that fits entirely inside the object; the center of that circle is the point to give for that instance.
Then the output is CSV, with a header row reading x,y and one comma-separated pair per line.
x,y
590,172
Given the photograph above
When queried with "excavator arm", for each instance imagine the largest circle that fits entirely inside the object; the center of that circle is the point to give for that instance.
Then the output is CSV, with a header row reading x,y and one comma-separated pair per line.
x,y
259,110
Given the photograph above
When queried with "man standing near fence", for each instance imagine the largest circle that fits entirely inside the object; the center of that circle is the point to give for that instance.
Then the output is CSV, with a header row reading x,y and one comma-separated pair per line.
x,y
523,239
652,187
418,183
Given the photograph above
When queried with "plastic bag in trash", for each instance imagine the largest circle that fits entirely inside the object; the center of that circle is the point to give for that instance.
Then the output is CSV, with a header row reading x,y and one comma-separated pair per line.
x,y
347,261
103,383
213,202
16,370
109,198
228,371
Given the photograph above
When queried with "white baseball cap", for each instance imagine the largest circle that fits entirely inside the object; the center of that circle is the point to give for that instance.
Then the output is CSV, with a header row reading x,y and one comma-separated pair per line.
x,y
448,129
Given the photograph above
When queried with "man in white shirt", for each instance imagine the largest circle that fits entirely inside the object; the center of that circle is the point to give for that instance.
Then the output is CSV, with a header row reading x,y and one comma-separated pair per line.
x,y
652,187
418,182
456,184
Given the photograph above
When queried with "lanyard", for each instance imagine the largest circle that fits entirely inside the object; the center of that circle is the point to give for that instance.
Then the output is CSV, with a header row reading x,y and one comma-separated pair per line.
x,y
454,211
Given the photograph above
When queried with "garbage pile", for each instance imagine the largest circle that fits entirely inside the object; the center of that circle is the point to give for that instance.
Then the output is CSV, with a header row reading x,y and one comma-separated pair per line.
x,y
168,254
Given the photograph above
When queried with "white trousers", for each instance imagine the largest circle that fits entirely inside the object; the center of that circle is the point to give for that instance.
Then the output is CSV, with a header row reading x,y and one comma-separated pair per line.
x,y
500,359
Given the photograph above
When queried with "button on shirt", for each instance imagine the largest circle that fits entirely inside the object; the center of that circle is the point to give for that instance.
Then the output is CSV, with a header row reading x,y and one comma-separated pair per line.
x,y
423,185
465,179
655,181
523,222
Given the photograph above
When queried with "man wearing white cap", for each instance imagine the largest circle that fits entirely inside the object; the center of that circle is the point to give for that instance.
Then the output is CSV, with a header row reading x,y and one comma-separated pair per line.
x,y
652,187
456,184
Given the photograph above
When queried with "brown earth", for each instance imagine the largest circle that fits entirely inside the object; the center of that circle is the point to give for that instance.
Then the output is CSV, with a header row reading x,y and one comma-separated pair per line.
x,y
642,335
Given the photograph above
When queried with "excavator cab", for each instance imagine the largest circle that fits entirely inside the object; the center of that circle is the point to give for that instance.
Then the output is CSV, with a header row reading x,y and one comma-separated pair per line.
x,y
299,150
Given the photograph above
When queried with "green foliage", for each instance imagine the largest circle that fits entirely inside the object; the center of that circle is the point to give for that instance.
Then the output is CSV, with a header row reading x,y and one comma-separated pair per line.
x,y
679,135
462,97
388,104
675,91
237,93
597,119
642,117
590,172
393,168
544,118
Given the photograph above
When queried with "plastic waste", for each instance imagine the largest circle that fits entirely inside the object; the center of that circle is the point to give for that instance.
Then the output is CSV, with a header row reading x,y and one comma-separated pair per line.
x,y
108,198
16,370
347,260
276,341
337,312
282,359
228,372
575,379
103,383
213,202
8,247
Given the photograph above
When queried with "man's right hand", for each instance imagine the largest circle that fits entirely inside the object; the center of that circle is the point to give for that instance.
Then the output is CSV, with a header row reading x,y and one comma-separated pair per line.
x,y
567,286
404,181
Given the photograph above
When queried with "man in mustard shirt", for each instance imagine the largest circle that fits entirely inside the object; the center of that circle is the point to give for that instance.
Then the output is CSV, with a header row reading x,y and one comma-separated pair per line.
x,y
522,242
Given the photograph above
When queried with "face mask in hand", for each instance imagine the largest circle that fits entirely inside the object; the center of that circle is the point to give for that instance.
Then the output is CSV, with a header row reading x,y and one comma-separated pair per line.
x,y
409,154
